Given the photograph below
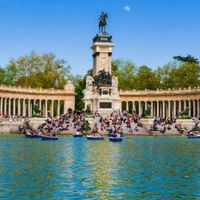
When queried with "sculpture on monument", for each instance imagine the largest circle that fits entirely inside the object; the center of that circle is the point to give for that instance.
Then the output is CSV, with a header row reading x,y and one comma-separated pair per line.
x,y
69,86
184,114
115,84
37,112
103,79
103,22
89,83
147,112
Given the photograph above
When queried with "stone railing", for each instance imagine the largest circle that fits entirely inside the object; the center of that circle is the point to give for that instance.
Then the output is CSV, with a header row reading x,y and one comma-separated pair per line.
x,y
11,119
189,90
18,89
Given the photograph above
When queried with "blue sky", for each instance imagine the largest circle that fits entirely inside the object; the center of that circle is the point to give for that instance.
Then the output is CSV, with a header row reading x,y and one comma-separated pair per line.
x,y
147,32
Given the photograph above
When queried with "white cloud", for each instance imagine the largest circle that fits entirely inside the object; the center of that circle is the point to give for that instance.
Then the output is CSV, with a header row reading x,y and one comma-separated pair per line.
x,y
127,8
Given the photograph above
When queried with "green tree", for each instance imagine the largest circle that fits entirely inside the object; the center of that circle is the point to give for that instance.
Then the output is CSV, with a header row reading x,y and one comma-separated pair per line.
x,y
2,75
125,71
80,83
35,70
164,75
182,74
187,58
186,75
146,79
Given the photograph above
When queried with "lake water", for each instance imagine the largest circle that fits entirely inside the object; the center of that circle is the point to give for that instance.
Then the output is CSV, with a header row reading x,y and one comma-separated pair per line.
x,y
140,167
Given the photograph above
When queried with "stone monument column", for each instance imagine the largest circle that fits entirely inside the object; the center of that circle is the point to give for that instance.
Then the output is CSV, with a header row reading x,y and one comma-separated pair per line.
x,y
102,51
101,93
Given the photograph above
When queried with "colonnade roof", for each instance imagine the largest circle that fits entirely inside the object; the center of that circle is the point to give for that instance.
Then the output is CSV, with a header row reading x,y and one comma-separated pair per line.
x,y
159,92
29,90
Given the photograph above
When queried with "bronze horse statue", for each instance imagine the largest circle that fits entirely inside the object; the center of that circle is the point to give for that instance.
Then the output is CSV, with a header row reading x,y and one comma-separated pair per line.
x,y
103,22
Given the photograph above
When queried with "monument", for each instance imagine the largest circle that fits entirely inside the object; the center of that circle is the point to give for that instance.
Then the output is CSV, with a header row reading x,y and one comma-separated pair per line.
x,y
101,93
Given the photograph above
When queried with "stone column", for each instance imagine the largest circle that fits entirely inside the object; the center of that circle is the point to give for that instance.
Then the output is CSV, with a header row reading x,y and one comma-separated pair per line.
x,y
29,107
198,111
179,106
163,108
127,106
34,103
1,106
166,108
19,108
5,106
65,106
52,101
14,107
145,105
45,110
157,108
152,115
24,107
40,104
134,106
184,104
139,108
194,109
189,102
58,108
174,108
169,108
9,107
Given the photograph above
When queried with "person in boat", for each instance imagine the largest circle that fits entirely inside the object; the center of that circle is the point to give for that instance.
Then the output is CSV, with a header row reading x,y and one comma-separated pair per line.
x,y
95,131
115,132
190,133
47,133
110,130
29,133
40,133
118,135
78,132
121,132
54,134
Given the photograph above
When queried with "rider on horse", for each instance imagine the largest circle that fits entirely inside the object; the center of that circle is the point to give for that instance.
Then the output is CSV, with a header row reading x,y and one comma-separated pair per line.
x,y
102,22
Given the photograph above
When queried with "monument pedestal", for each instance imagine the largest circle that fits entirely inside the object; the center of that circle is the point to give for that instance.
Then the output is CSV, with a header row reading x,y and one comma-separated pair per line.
x,y
101,93
103,100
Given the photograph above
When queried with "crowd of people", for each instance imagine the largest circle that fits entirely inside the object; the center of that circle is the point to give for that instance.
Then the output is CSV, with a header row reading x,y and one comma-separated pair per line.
x,y
116,123
78,122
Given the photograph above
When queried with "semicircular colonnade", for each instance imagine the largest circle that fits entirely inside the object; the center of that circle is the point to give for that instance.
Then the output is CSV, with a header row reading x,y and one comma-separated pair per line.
x,y
162,103
20,101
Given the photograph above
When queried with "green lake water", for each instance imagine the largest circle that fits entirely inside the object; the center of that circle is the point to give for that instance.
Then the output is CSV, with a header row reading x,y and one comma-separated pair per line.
x,y
141,167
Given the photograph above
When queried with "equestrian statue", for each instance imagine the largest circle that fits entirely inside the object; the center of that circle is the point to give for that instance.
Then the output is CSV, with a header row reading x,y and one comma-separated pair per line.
x,y
103,22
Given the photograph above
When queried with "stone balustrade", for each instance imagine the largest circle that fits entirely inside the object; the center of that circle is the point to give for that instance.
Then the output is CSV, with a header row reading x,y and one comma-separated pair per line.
x,y
18,89
161,91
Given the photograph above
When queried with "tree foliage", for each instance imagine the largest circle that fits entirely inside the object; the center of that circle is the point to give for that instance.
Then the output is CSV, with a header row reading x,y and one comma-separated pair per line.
x,y
172,75
35,70
125,71
187,58
146,78
80,83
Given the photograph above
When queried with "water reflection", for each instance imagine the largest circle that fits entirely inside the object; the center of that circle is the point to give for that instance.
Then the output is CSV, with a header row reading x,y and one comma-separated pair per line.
x,y
102,159
137,168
